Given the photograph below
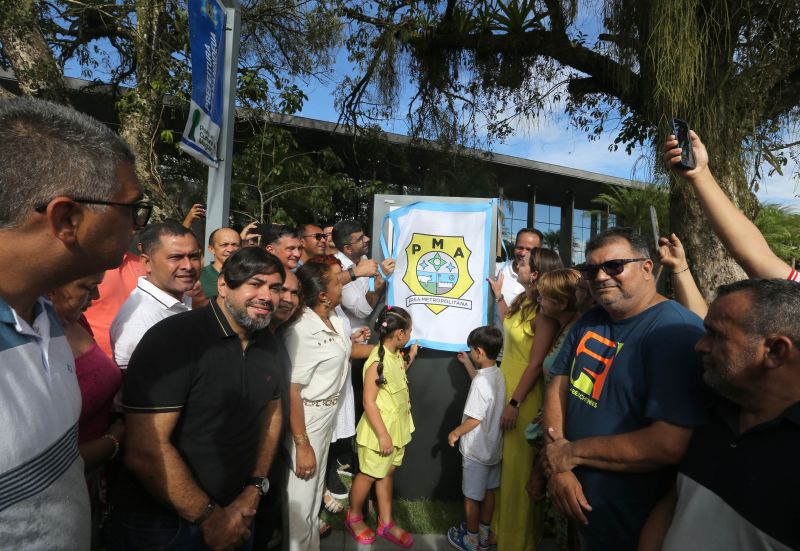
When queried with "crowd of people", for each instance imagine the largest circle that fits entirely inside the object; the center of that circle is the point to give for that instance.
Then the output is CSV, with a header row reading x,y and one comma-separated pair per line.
x,y
152,403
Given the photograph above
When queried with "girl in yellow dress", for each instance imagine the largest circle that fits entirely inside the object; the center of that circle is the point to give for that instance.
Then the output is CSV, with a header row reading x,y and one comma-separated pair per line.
x,y
385,428
517,521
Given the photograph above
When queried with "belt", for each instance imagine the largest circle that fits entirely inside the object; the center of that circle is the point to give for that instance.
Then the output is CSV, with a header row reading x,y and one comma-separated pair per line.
x,y
325,402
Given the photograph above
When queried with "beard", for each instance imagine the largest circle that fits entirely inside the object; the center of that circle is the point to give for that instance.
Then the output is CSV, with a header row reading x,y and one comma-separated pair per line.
x,y
244,320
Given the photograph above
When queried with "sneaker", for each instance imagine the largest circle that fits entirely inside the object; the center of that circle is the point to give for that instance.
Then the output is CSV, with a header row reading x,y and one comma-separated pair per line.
x,y
459,538
486,537
336,487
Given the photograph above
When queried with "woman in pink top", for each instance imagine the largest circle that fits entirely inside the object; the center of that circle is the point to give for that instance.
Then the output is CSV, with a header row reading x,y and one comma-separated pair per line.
x,y
99,380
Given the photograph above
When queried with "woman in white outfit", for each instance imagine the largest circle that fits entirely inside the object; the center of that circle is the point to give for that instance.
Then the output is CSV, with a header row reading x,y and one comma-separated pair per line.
x,y
319,349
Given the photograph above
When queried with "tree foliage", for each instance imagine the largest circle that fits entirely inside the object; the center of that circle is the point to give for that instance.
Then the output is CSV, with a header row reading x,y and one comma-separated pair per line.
x,y
780,226
140,48
276,181
730,67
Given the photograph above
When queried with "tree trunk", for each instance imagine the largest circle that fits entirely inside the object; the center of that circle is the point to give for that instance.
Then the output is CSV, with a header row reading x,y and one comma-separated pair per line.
x,y
34,65
141,108
711,263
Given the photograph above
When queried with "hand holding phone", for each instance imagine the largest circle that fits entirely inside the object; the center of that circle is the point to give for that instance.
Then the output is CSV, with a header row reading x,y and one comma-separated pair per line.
x,y
681,130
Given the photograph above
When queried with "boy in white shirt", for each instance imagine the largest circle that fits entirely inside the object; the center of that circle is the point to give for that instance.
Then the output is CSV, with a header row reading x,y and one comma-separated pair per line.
x,y
481,438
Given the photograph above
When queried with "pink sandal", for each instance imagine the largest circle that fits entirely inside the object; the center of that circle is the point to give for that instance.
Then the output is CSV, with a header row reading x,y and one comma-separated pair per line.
x,y
366,536
384,531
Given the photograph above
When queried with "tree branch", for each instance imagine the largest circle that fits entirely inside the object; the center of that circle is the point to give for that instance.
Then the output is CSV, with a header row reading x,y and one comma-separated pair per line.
x,y
607,75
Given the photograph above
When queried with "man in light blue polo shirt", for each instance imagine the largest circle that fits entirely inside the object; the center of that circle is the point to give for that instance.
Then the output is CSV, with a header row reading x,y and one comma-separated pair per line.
x,y
69,203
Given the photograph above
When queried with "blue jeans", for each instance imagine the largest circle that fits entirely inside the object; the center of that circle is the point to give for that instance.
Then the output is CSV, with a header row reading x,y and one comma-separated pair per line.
x,y
151,532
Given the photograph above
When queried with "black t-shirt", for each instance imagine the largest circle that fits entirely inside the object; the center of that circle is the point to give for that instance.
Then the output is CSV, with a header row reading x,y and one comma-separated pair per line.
x,y
193,363
738,490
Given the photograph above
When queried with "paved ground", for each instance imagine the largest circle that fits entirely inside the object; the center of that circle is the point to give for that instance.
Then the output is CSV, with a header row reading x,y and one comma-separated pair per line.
x,y
342,541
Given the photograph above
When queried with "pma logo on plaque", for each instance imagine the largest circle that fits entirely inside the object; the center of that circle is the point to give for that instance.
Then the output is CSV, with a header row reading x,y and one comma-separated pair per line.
x,y
437,272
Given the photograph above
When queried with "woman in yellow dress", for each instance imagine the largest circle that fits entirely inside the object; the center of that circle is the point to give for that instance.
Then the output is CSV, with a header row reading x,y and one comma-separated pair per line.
x,y
517,521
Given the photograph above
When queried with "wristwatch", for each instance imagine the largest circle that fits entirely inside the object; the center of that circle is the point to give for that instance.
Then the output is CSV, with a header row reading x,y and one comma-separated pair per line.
x,y
352,273
513,403
262,484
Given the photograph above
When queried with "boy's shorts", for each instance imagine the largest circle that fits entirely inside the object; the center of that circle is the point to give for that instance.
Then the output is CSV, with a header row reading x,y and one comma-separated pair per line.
x,y
376,465
477,478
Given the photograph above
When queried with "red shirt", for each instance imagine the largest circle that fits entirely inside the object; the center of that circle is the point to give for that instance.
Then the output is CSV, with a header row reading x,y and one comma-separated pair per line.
x,y
114,290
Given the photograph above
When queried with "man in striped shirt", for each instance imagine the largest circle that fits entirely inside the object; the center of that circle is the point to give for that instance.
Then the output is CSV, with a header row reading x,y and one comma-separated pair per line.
x,y
69,202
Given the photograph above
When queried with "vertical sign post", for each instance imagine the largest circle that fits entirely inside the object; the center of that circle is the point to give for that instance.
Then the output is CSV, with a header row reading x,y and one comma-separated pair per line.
x,y
219,179
214,28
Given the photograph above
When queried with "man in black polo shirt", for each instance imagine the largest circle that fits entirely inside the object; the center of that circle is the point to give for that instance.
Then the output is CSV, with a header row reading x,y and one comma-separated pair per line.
x,y
737,485
202,403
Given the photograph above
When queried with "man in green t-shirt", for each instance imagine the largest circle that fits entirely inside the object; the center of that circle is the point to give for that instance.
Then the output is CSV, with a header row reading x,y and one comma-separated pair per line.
x,y
222,243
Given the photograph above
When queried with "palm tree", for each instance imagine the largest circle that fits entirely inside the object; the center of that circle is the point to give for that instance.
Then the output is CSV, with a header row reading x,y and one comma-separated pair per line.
x,y
552,239
780,226
632,206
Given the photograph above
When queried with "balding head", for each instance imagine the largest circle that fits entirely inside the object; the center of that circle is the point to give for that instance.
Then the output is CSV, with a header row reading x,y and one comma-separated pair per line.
x,y
222,243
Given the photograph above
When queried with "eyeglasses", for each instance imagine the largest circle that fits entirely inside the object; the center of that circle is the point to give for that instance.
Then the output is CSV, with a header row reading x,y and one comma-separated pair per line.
x,y
317,236
140,210
611,267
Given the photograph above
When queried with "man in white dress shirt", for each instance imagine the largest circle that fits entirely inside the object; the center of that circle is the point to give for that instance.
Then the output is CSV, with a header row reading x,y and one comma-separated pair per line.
x,y
357,299
171,256
527,240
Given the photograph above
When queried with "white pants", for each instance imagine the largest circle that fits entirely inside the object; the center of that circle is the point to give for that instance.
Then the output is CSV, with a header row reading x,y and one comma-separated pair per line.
x,y
304,497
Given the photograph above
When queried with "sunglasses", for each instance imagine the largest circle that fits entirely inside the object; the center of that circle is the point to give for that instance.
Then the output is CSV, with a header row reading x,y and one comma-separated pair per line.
x,y
317,236
610,267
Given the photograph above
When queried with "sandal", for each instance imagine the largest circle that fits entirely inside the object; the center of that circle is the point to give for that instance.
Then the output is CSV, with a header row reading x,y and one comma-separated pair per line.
x,y
366,536
324,529
331,504
384,531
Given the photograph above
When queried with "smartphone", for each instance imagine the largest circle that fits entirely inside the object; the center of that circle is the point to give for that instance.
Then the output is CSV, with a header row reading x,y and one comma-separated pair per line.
x,y
681,130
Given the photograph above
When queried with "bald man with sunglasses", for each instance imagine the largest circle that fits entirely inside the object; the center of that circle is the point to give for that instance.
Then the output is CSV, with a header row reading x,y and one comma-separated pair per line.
x,y
626,394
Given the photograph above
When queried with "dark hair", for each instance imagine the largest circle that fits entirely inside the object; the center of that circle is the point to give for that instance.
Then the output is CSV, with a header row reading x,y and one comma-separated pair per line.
x,y
775,303
150,236
314,278
534,231
48,150
325,259
302,228
540,260
274,232
247,262
640,246
390,319
342,232
488,338
214,233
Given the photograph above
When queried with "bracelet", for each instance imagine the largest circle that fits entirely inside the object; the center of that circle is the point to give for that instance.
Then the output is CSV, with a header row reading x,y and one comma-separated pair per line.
x,y
300,439
206,513
676,273
499,299
115,440
352,273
